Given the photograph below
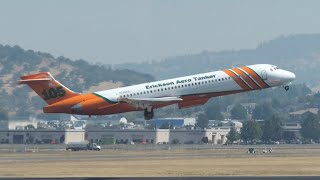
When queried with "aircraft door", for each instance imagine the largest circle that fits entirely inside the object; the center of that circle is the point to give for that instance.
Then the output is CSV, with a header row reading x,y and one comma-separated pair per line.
x,y
264,75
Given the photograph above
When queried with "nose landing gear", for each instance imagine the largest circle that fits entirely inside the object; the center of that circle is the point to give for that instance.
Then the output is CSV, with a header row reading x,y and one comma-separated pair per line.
x,y
286,88
148,113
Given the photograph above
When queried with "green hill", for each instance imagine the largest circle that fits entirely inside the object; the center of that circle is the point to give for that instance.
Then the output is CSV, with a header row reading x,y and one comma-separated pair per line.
x,y
297,53
77,75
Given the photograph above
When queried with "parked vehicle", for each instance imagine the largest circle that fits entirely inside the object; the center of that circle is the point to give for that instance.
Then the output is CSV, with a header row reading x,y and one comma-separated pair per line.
x,y
267,150
251,151
83,146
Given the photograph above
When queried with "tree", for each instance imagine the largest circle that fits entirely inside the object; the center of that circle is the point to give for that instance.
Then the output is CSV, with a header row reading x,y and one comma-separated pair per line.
x,y
166,126
151,126
4,114
233,135
250,131
310,127
214,112
263,111
239,112
272,129
202,121
29,127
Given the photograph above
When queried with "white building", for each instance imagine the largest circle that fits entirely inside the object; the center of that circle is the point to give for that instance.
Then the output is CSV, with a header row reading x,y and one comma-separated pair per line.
x,y
124,136
41,136
17,124
215,136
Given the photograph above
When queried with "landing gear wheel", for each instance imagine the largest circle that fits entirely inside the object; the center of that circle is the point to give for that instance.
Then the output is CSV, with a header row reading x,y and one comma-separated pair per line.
x,y
287,88
148,114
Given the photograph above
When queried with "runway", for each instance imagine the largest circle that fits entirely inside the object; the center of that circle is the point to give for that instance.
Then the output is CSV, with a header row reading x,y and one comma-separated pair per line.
x,y
94,156
186,178
176,163
161,154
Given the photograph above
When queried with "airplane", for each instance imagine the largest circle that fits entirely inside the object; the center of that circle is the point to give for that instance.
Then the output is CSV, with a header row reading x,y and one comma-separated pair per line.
x,y
185,91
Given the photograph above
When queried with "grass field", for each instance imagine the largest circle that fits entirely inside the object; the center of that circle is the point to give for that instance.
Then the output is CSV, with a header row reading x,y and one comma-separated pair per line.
x,y
294,162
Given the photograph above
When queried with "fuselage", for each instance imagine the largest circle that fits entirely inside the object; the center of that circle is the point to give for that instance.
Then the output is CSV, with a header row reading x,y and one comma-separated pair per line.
x,y
193,90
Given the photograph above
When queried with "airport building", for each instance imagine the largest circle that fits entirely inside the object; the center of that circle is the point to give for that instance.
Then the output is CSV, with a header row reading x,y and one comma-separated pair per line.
x,y
160,136
60,132
124,136
174,122
17,125
216,135
119,136
291,131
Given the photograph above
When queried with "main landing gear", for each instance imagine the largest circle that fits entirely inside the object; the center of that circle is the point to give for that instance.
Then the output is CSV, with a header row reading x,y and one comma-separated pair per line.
x,y
148,113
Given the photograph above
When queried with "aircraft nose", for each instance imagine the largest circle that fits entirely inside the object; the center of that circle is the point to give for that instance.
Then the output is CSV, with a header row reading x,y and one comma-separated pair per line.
x,y
290,76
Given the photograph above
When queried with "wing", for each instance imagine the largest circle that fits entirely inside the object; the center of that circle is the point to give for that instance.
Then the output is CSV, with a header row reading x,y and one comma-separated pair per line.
x,y
147,102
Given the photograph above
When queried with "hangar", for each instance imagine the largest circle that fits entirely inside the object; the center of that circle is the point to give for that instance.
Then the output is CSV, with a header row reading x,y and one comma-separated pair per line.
x,y
119,136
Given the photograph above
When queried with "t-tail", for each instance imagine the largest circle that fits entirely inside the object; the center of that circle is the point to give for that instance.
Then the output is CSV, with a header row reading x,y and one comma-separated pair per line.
x,y
47,87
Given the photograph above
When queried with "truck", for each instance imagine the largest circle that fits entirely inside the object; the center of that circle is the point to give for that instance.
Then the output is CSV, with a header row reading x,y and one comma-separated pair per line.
x,y
83,146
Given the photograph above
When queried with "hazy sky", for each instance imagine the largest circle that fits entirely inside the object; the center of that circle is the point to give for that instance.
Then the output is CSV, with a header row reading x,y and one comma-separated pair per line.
x,y
132,31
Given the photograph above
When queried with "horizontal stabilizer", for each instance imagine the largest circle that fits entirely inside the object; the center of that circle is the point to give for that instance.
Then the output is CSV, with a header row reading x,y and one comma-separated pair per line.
x,y
33,80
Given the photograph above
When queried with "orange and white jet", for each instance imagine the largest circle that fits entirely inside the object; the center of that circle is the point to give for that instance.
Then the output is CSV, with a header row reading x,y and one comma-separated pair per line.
x,y
185,91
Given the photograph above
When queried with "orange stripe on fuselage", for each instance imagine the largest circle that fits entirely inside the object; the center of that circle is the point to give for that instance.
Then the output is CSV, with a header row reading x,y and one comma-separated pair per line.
x,y
246,78
91,105
255,76
237,79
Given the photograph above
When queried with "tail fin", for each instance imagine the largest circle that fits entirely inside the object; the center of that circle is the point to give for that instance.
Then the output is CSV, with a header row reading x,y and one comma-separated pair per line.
x,y
47,87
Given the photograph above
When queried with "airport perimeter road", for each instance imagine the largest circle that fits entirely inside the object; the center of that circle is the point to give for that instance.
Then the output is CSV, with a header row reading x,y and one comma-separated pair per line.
x,y
154,154
150,147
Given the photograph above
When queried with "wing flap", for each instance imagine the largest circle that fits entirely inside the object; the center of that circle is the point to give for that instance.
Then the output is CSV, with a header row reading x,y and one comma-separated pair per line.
x,y
149,102
161,99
